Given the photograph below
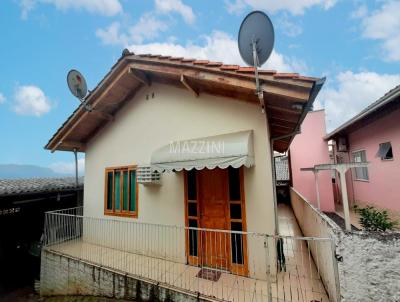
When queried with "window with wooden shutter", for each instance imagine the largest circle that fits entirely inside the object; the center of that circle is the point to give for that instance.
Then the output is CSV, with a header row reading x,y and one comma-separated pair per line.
x,y
121,191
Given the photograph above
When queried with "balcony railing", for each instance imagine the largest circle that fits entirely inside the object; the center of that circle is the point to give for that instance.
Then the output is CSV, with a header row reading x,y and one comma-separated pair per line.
x,y
221,264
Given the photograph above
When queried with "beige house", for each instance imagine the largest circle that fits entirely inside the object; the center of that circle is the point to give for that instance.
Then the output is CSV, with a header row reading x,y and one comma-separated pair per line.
x,y
184,143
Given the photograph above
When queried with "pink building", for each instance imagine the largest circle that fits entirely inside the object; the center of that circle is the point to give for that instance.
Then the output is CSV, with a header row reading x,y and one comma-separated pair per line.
x,y
373,136
308,149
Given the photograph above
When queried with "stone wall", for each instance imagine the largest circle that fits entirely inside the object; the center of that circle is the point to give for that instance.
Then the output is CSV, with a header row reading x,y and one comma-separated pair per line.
x,y
368,263
62,275
369,266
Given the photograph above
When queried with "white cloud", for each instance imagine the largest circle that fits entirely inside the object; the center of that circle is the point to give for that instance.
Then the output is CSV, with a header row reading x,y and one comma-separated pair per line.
x,y
295,7
148,27
288,27
2,98
219,46
383,25
31,100
168,6
102,7
351,93
69,167
26,7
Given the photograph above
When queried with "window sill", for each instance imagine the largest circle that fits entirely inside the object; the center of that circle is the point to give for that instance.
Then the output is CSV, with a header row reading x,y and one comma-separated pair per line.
x,y
387,159
362,180
128,215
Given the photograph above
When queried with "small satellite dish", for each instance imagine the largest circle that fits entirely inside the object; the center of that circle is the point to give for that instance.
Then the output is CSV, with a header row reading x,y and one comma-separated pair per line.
x,y
77,84
256,33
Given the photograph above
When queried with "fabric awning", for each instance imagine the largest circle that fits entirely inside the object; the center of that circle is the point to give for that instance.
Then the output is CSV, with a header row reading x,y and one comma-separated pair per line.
x,y
232,149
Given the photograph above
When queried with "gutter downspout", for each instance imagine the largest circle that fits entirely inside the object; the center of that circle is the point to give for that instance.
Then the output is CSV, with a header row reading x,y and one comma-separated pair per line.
x,y
76,167
313,94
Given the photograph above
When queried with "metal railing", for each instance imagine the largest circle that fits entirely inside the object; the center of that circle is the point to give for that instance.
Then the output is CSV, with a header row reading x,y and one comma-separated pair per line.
x,y
221,264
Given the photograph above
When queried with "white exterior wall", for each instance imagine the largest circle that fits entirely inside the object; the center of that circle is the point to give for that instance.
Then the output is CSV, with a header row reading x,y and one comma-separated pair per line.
x,y
176,114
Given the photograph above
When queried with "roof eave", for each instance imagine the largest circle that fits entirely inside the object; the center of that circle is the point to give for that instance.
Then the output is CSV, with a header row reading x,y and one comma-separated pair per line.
x,y
313,95
387,98
308,85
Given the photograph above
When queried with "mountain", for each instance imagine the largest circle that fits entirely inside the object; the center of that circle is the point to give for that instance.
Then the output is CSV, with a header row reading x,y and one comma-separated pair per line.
x,y
12,171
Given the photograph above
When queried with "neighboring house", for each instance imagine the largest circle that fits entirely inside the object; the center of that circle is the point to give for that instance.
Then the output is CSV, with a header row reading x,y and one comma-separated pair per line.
x,y
282,168
307,150
200,125
23,203
373,136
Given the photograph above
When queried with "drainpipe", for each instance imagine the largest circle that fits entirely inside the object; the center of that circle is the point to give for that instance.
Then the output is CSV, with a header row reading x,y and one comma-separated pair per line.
x,y
76,167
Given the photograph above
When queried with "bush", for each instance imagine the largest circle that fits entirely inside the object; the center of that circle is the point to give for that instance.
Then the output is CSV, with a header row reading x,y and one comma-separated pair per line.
x,y
373,220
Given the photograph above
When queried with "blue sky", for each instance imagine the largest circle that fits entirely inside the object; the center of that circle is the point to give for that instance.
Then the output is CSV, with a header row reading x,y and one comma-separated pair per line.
x,y
356,44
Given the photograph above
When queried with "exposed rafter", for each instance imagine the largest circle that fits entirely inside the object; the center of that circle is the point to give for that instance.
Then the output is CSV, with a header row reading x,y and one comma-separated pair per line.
x,y
132,72
85,113
140,76
297,94
188,86
103,115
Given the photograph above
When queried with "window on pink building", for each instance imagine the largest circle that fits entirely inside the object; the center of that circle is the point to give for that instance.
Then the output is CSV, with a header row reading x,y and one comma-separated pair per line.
x,y
385,151
360,173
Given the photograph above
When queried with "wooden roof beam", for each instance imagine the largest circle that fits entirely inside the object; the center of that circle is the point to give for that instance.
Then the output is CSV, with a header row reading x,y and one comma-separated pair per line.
x,y
75,120
103,115
298,94
140,76
188,86
283,109
281,126
70,145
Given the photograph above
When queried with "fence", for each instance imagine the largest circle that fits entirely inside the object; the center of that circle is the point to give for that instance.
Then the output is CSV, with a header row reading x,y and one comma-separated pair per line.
x,y
314,223
219,264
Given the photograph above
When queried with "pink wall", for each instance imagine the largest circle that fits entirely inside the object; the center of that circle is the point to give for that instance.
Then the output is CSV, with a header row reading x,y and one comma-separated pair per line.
x,y
309,149
383,187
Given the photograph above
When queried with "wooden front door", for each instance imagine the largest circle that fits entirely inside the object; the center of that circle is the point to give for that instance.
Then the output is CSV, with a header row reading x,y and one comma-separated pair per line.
x,y
213,195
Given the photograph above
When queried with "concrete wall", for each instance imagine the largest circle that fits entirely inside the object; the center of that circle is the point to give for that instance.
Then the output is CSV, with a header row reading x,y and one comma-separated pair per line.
x,y
61,276
382,190
144,125
368,263
308,149
315,224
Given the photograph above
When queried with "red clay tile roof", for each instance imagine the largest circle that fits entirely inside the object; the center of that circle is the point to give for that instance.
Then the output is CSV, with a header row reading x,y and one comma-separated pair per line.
x,y
303,83
228,67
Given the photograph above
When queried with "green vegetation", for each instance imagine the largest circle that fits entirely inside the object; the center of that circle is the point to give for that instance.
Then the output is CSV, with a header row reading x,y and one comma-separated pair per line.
x,y
373,220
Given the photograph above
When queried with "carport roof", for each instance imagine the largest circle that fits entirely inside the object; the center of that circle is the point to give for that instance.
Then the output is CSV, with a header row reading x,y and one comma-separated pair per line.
x,y
37,185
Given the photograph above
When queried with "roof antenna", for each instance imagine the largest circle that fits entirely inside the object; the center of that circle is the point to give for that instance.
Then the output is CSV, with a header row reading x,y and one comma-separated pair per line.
x,y
256,41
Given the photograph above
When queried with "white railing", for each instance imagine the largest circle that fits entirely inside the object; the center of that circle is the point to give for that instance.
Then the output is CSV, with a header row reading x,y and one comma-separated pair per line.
x,y
221,264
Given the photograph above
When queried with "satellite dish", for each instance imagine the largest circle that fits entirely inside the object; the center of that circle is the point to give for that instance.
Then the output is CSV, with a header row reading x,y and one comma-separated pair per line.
x,y
77,84
256,34
256,41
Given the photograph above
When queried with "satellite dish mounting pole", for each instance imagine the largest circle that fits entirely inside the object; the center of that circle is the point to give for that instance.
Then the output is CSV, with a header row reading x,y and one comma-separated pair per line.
x,y
86,106
259,92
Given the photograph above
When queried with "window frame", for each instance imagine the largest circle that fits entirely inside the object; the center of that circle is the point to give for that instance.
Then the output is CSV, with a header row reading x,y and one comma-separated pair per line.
x,y
355,176
121,212
391,148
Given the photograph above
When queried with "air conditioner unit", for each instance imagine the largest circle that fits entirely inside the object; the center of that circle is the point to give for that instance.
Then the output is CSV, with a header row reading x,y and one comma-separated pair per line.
x,y
147,177
342,144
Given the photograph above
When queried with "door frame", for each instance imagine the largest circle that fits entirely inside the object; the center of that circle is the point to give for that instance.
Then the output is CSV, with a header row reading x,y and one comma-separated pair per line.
x,y
240,269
